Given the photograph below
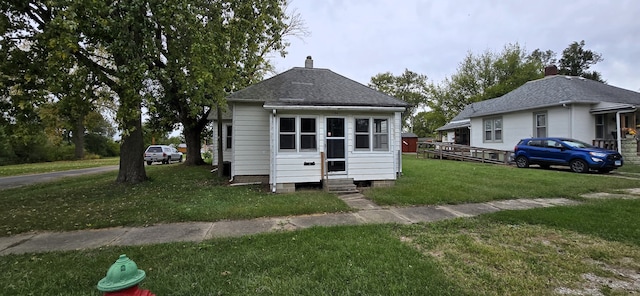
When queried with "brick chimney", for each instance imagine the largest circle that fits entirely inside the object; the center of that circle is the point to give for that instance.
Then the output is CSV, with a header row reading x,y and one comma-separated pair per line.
x,y
550,70
308,63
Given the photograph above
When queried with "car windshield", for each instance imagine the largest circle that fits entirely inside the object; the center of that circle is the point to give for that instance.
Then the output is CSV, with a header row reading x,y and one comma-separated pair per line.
x,y
155,149
576,144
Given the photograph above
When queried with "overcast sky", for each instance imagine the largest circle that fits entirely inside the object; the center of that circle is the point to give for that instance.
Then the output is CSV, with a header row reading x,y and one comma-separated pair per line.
x,y
361,38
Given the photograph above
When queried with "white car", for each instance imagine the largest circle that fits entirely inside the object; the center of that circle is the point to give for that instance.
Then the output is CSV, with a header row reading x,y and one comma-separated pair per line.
x,y
162,153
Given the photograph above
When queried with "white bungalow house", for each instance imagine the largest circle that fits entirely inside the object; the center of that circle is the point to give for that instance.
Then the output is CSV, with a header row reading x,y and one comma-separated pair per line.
x,y
310,125
556,105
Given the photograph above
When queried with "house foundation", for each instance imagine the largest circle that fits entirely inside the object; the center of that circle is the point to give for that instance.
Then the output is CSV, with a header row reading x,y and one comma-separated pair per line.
x,y
383,183
285,187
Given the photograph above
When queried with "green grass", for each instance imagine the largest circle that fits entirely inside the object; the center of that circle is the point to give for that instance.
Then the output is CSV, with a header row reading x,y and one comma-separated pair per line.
x,y
47,167
365,260
530,252
430,181
174,193
541,251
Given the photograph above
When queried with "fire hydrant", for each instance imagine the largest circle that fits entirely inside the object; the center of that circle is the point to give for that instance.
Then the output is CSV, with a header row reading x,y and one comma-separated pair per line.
x,y
123,278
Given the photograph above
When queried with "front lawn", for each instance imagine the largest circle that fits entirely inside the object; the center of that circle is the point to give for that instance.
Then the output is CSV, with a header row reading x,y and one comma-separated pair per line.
x,y
432,181
532,252
174,193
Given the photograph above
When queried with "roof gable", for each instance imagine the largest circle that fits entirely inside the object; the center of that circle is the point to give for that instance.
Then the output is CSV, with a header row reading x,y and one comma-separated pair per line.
x,y
313,87
550,91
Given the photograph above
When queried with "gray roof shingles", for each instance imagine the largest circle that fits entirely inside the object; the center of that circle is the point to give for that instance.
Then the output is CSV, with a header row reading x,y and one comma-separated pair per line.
x,y
549,91
313,87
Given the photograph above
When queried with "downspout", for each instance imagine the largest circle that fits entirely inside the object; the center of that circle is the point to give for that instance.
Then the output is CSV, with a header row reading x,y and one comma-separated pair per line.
x,y
618,134
273,151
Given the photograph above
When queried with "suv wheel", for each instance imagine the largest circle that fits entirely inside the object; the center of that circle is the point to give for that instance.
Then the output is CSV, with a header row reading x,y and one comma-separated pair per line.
x,y
149,162
522,162
579,166
168,160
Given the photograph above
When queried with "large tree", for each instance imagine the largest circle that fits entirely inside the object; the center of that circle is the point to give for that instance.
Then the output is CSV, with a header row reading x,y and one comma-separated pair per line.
x,y
216,48
485,76
576,61
409,86
113,40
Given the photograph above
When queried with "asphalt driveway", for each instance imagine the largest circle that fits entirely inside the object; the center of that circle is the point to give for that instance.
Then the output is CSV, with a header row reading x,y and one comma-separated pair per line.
x,y
17,181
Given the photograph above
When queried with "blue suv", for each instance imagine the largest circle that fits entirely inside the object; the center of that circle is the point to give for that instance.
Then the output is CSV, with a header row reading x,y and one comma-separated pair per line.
x,y
579,156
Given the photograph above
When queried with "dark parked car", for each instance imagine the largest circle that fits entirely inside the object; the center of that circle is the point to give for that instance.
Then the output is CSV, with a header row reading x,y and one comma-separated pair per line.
x,y
579,156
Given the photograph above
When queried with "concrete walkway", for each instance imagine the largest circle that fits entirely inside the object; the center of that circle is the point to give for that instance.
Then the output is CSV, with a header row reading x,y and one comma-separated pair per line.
x,y
367,213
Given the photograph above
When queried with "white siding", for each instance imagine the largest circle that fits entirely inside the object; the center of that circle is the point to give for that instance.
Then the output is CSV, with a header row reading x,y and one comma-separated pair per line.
x,y
360,165
572,121
251,140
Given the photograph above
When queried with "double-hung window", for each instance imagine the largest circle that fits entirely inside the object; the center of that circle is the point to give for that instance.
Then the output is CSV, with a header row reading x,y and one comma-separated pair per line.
x,y
372,134
287,133
308,134
362,133
294,130
541,124
381,134
228,137
493,130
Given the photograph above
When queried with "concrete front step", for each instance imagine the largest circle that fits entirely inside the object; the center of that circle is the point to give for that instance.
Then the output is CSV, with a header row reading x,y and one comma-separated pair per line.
x,y
341,185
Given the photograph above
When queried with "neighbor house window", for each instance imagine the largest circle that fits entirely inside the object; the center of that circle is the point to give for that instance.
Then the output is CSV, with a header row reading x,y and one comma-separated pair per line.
x,y
381,134
287,133
307,134
228,137
298,130
600,126
365,132
493,130
362,133
541,124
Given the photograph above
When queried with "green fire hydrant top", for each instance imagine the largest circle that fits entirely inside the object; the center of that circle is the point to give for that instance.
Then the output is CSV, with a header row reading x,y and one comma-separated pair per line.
x,y
124,273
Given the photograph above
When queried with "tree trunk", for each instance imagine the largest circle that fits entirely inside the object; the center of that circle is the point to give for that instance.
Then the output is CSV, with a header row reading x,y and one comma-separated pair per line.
x,y
219,141
132,155
192,137
78,138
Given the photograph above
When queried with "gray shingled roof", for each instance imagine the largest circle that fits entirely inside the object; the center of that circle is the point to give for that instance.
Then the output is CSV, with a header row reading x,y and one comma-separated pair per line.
x,y
549,91
313,87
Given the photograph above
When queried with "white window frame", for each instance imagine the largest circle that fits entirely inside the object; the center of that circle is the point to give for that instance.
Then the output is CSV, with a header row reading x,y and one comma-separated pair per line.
x,y
492,130
372,134
536,127
357,133
297,134
228,145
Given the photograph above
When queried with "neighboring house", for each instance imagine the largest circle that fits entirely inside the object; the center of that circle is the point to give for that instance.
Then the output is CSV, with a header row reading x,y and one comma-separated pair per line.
x,y
409,142
308,125
560,106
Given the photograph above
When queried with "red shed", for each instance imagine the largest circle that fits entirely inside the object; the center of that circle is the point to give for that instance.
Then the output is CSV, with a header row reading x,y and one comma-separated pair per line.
x,y
409,142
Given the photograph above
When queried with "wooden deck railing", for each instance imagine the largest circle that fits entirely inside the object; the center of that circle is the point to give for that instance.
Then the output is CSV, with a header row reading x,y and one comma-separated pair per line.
x,y
606,144
443,150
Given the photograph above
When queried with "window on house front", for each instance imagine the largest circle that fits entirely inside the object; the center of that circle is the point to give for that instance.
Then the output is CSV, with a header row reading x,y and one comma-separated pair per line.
x,y
493,130
362,133
374,136
298,130
287,133
228,137
380,134
541,124
307,134
600,126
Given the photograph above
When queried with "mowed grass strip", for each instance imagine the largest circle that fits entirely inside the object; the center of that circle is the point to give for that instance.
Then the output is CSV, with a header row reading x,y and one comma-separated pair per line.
x,y
529,252
48,167
432,181
174,193
364,260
